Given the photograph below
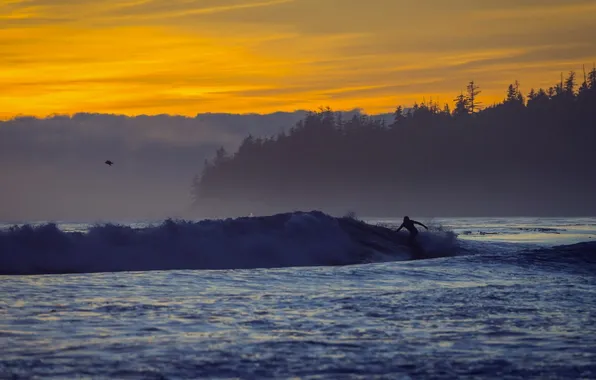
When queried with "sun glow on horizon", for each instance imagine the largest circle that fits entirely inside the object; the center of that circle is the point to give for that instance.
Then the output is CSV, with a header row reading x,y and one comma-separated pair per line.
x,y
259,56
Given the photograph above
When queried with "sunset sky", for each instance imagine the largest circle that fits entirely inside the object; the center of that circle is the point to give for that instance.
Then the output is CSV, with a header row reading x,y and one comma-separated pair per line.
x,y
190,56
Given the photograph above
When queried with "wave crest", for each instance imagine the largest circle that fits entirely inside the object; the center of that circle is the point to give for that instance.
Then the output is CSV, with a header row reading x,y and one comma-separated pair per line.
x,y
283,240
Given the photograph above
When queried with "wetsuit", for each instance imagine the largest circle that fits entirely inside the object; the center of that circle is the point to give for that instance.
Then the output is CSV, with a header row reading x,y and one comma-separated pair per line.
x,y
408,224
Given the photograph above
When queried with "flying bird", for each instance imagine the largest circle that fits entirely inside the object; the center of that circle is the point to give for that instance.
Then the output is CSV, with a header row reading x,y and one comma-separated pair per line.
x,y
110,163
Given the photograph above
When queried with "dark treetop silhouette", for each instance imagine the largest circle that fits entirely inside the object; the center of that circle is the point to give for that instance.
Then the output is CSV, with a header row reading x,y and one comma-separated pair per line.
x,y
529,155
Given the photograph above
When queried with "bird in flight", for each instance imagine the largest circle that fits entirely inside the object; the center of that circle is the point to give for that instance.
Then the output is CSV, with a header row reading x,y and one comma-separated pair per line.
x,y
110,163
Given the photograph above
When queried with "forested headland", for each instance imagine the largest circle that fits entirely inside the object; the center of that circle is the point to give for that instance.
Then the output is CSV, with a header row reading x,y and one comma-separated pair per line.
x,y
531,154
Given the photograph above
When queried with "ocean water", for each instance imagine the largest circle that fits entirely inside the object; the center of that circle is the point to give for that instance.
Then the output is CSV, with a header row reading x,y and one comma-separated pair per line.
x,y
502,298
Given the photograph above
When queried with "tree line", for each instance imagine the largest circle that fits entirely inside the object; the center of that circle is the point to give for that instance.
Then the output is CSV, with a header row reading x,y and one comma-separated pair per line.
x,y
532,153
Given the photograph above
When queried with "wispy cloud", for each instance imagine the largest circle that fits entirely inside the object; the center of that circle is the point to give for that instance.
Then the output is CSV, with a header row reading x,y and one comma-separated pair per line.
x,y
46,12
161,10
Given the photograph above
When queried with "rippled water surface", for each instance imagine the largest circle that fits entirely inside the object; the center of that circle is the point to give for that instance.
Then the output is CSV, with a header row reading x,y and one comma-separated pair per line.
x,y
503,312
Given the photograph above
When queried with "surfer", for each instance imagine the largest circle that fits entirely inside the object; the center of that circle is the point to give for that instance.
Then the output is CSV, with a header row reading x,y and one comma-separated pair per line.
x,y
408,224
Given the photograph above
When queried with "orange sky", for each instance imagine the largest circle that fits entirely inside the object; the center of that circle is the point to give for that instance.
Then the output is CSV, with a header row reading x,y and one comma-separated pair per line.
x,y
191,56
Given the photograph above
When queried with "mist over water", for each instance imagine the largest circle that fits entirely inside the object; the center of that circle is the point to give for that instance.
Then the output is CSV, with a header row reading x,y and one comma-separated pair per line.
x,y
53,168
515,158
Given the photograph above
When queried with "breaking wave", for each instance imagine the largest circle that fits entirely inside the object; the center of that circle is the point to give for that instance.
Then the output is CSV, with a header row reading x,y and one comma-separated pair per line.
x,y
283,240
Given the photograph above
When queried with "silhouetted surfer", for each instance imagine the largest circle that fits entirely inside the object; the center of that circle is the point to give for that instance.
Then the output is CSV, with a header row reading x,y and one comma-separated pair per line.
x,y
110,163
408,224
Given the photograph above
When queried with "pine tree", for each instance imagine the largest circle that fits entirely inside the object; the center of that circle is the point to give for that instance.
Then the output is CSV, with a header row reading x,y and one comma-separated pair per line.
x,y
221,156
472,92
592,79
399,116
584,86
461,105
570,83
559,88
514,96
446,109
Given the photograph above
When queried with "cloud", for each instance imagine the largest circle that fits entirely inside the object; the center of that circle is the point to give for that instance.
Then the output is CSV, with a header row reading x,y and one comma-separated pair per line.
x,y
175,9
119,12
184,57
